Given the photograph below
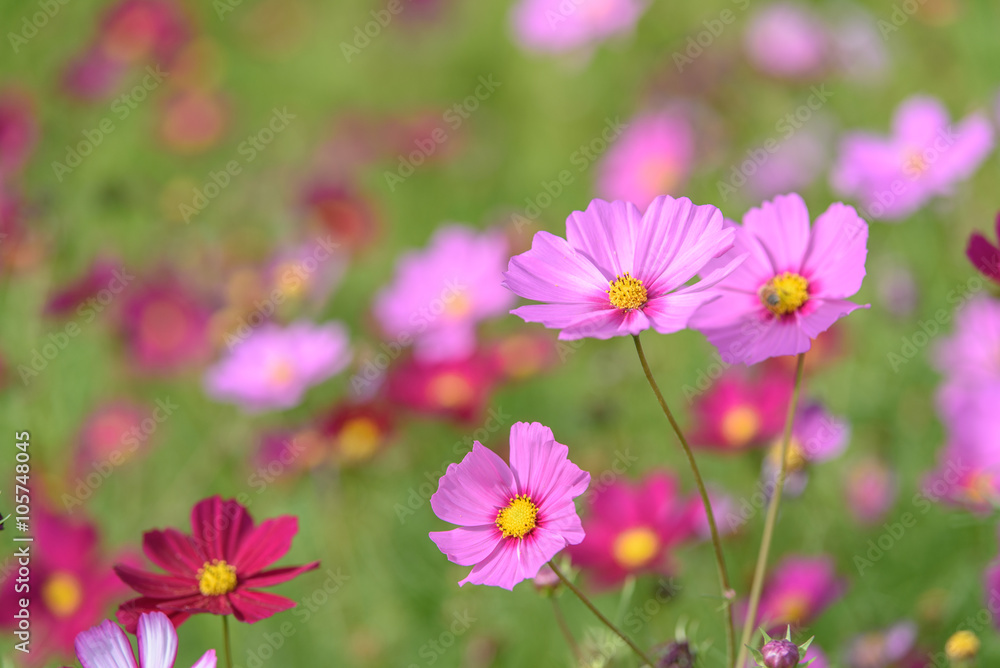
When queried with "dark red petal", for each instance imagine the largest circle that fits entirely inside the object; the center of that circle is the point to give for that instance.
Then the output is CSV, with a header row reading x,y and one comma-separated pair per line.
x,y
130,611
173,552
252,606
984,255
219,527
278,575
216,605
155,585
266,544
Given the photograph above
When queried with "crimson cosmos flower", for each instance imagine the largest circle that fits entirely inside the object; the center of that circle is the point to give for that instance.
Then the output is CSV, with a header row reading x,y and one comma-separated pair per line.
x,y
216,570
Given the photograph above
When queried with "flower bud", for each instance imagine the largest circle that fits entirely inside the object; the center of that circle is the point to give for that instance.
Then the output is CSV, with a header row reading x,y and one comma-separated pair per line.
x,y
780,654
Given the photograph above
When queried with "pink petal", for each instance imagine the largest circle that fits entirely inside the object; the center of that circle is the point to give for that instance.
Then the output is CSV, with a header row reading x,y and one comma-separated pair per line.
x,y
252,606
541,466
823,315
558,316
278,575
265,544
606,233
172,551
219,527
606,324
154,584
918,120
515,560
471,492
215,605
157,641
782,228
835,261
467,546
207,660
984,256
104,646
552,271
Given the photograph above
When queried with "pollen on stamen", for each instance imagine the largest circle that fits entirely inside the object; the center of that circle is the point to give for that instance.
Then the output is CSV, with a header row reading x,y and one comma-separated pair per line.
x,y
216,578
627,293
785,293
519,518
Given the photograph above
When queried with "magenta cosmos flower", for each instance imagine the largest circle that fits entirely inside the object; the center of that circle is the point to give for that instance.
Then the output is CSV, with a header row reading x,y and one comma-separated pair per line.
x,y
72,586
652,157
793,285
742,410
511,520
632,528
107,646
274,366
984,255
441,293
926,156
619,272
798,590
556,25
164,323
455,389
218,569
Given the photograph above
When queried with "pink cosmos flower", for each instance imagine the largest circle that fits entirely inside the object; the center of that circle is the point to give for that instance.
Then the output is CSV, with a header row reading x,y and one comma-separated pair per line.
x,y
798,590
632,528
969,358
870,489
107,646
787,39
336,209
93,75
884,647
742,410
18,130
925,157
511,520
984,255
218,569
456,389
441,293
794,283
620,272
72,585
273,367
165,326
652,157
556,26
112,434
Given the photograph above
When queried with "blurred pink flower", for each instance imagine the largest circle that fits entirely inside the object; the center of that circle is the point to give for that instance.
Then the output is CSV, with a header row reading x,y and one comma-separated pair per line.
x,y
797,591
165,326
193,121
652,157
742,410
273,367
441,293
619,272
795,164
882,648
18,131
558,25
969,358
817,436
112,434
631,529
793,285
511,520
984,255
924,157
72,584
98,276
93,75
456,389
336,209
133,31
870,488
787,39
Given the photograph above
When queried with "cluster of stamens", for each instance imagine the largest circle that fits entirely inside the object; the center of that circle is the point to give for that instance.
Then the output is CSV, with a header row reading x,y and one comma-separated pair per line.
x,y
518,518
785,293
216,578
627,293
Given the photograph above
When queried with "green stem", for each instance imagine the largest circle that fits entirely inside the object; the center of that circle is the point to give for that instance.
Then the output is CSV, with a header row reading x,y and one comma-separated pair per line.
x,y
604,620
772,516
720,560
564,628
225,641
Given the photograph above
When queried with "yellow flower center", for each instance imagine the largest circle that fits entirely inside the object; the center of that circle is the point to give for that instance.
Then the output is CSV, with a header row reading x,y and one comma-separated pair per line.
x,y
359,438
795,456
785,293
459,306
658,175
627,293
916,162
792,609
519,518
450,390
216,578
635,547
62,593
740,425
962,646
281,373
979,487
